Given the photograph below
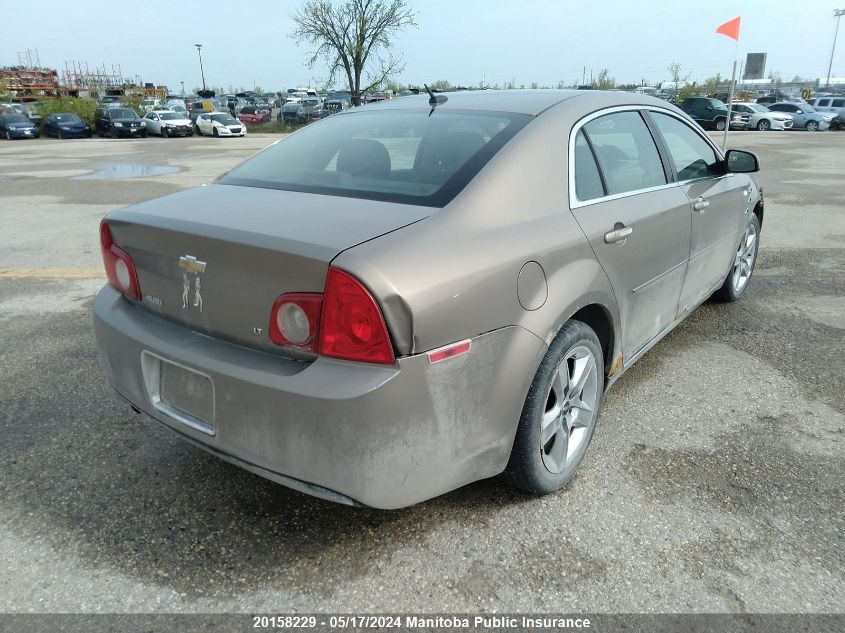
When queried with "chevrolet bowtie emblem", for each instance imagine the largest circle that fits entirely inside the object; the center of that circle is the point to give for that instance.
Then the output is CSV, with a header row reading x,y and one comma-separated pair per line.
x,y
191,264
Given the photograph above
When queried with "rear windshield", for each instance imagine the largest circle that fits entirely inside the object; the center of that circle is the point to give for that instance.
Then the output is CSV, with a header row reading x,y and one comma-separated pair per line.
x,y
402,156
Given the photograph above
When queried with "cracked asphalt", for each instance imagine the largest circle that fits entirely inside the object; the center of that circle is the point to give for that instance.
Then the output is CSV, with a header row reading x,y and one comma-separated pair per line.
x,y
714,483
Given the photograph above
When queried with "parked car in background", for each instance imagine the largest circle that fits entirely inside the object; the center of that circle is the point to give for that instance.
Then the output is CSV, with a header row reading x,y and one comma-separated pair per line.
x,y
66,125
254,115
111,101
761,118
293,113
15,125
179,108
804,116
308,104
195,108
118,122
219,124
150,104
710,114
28,110
333,106
836,105
168,123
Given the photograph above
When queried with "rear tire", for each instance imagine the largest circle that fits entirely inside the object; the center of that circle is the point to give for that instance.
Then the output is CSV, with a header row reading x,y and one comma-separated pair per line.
x,y
742,267
763,125
560,412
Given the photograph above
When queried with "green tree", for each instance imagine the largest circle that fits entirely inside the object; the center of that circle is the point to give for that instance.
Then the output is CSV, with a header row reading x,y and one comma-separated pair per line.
x,y
604,81
354,35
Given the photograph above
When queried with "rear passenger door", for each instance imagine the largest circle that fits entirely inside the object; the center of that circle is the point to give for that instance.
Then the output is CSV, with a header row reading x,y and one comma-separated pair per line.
x,y
716,199
637,222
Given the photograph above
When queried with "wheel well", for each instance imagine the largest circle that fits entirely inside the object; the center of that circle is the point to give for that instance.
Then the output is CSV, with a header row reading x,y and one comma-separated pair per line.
x,y
599,321
758,211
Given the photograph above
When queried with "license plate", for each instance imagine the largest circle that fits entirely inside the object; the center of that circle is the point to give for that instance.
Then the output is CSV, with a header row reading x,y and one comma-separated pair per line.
x,y
28,132
180,392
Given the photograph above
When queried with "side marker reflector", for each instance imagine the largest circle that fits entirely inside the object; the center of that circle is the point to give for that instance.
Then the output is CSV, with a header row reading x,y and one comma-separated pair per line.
x,y
450,351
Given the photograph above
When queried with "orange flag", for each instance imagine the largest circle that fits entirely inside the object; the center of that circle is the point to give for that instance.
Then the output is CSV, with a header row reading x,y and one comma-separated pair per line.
x,y
730,28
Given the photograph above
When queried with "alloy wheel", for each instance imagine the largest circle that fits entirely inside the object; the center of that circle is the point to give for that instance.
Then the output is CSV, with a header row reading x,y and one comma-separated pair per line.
x,y
744,259
570,411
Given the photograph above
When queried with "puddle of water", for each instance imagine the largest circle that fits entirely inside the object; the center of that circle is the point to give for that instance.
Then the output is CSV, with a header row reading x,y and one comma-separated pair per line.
x,y
129,170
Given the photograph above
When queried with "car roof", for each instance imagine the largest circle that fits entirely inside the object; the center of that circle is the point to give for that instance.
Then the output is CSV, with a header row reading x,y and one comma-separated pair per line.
x,y
532,102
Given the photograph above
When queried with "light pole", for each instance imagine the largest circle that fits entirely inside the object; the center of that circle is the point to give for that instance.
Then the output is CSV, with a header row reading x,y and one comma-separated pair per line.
x,y
837,13
199,52
183,87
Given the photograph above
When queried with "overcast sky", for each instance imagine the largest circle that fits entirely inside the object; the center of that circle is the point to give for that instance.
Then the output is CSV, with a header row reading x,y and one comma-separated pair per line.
x,y
463,41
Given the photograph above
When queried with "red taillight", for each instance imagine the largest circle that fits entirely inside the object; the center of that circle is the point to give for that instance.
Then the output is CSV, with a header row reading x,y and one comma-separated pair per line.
x,y
351,326
295,320
344,322
120,268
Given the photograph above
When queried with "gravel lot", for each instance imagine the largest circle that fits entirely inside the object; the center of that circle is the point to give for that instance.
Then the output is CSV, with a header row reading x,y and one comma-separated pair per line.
x,y
714,483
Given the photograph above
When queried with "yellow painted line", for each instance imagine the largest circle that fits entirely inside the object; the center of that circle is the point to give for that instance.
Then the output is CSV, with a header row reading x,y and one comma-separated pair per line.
x,y
52,273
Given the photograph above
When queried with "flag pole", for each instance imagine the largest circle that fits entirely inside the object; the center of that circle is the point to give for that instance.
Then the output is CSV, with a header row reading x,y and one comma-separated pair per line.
x,y
730,98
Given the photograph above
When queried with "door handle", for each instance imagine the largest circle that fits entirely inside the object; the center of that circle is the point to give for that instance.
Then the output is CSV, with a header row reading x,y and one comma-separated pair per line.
x,y
700,204
618,235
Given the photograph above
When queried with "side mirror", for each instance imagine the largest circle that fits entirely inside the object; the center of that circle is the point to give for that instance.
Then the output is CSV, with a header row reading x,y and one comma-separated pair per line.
x,y
738,161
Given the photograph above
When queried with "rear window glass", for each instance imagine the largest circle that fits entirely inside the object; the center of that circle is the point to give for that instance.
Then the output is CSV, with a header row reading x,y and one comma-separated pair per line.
x,y
408,156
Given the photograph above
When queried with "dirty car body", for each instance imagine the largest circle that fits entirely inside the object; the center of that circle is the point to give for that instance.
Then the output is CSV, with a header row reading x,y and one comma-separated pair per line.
x,y
359,311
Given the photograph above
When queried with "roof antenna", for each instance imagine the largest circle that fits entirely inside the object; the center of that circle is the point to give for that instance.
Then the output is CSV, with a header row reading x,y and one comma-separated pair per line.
x,y
434,100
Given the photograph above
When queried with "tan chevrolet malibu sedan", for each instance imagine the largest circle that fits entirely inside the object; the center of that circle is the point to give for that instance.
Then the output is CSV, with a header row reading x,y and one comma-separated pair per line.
x,y
410,296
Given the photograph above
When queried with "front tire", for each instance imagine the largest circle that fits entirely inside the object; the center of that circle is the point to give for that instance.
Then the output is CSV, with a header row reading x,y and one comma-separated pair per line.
x,y
214,132
764,125
812,126
164,132
745,258
560,412
8,135
720,125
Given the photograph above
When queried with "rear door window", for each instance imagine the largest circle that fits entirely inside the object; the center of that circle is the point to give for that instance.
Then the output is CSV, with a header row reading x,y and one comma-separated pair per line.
x,y
626,152
588,183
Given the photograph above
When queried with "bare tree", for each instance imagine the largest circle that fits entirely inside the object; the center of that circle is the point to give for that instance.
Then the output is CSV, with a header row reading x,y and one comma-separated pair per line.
x,y
678,76
352,36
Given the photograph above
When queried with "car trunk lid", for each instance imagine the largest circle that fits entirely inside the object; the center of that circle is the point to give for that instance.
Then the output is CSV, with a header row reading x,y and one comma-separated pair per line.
x,y
215,258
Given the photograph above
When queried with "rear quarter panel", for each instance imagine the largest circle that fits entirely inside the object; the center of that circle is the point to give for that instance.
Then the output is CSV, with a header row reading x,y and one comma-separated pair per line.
x,y
454,275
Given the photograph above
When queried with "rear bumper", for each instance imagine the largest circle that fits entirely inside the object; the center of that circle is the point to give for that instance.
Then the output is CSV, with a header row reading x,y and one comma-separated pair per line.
x,y
380,436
